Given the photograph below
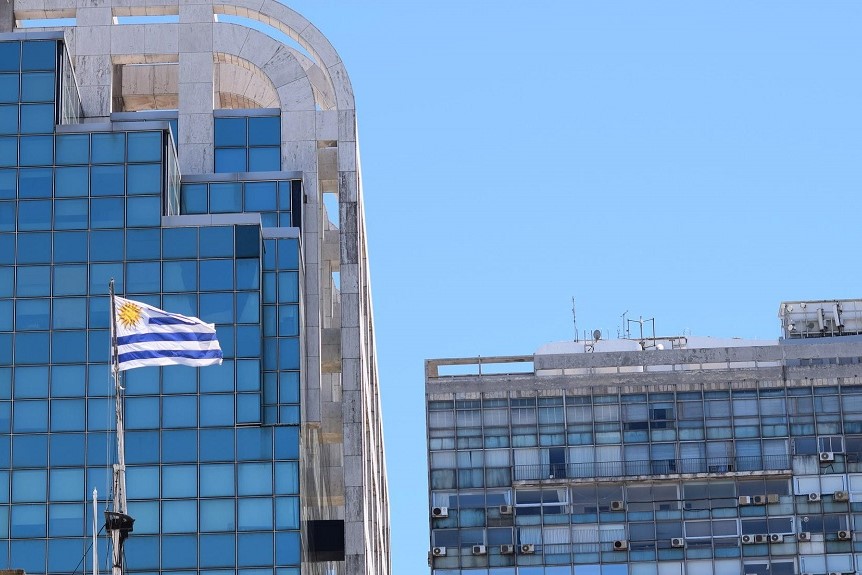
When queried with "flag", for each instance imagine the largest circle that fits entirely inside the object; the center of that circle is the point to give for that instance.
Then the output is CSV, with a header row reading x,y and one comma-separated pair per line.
x,y
149,336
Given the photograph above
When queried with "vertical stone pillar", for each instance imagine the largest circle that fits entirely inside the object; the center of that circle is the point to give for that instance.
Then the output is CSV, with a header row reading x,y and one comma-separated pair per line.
x,y
93,65
7,17
196,87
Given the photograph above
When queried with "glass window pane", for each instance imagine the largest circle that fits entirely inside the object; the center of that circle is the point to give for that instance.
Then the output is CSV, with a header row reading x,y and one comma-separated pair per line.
x,y
67,485
229,160
180,276
39,55
70,214
179,517
217,480
35,183
9,119
264,159
216,241
70,247
179,481
67,449
29,485
179,243
225,198
107,180
8,186
31,382
254,478
37,119
216,275
8,151
38,87
254,514
179,411
33,281
68,346
217,515
32,314
37,150
145,146
145,211
30,415
264,131
29,521
216,410
69,313
106,245
106,212
73,181
9,85
144,178
142,244
10,56
7,216
194,199
216,307
260,196
68,415
230,132
73,148
34,215
109,148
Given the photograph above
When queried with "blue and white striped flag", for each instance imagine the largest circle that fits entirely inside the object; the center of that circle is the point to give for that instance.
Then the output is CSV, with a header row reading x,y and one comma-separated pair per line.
x,y
149,336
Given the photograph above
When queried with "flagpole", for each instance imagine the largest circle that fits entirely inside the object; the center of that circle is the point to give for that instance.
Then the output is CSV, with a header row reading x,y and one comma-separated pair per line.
x,y
95,532
118,522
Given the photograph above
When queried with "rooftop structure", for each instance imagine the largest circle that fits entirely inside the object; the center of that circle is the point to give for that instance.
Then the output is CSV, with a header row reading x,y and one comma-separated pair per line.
x,y
203,155
665,455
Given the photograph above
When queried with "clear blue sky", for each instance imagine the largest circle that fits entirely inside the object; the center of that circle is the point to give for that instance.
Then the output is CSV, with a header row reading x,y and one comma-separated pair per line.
x,y
696,162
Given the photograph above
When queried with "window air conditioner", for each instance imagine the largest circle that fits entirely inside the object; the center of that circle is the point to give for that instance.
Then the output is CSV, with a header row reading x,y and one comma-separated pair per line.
x,y
438,552
845,535
506,510
747,539
528,549
759,499
827,456
841,496
621,545
776,538
618,506
677,542
507,549
813,497
804,536
773,498
479,550
441,512
761,538
744,500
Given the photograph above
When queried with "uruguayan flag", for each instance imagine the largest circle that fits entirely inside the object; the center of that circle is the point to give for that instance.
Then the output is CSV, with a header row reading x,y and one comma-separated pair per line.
x,y
149,336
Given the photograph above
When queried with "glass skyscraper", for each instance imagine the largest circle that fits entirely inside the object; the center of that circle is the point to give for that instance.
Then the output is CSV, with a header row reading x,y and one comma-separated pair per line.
x,y
185,151
653,456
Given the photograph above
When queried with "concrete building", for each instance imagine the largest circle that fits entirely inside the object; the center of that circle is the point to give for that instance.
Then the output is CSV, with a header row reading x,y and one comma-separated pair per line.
x,y
653,456
204,155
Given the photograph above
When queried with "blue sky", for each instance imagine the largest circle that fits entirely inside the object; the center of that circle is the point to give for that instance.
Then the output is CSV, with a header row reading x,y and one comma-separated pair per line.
x,y
696,162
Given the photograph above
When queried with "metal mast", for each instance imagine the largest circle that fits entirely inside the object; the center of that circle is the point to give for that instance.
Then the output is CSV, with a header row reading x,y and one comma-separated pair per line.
x,y
118,523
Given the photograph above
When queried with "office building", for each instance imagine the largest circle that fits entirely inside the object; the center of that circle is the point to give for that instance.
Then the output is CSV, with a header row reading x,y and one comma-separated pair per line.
x,y
204,156
653,456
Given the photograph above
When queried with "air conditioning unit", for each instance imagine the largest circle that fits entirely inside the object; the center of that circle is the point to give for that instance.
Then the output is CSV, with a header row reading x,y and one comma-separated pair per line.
x,y
507,549
479,550
845,535
813,497
438,552
759,500
618,506
677,542
506,510
773,498
827,456
748,539
621,545
776,538
841,496
441,512
744,500
527,549
761,538
804,536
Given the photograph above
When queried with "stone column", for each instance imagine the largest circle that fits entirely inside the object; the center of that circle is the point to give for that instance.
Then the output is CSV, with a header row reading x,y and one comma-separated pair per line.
x,y
196,87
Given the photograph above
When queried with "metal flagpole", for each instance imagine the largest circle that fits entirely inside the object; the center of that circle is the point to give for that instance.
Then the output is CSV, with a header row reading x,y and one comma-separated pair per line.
x,y
117,522
95,532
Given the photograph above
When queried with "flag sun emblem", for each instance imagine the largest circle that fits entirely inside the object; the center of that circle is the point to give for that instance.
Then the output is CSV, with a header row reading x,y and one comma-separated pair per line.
x,y
129,315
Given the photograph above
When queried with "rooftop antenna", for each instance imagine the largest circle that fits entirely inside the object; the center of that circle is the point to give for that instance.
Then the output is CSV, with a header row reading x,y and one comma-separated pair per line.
x,y
626,333
575,318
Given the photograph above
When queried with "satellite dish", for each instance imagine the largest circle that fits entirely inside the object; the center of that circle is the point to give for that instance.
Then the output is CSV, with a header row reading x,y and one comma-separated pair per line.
x,y
597,334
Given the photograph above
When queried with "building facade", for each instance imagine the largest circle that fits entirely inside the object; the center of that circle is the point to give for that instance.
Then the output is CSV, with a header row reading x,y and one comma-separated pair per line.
x,y
204,156
668,456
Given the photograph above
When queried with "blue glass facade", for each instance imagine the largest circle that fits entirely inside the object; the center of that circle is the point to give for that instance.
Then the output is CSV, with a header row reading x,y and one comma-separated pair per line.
x,y
212,454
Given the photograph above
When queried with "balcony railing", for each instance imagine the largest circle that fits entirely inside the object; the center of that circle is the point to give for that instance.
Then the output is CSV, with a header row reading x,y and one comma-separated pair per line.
x,y
605,469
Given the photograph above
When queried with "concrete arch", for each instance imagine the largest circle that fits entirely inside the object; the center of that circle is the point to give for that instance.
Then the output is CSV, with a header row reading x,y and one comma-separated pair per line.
x,y
238,83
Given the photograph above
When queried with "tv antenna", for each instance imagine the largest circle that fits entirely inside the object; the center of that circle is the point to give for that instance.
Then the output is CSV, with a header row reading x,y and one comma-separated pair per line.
x,y
575,318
